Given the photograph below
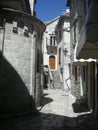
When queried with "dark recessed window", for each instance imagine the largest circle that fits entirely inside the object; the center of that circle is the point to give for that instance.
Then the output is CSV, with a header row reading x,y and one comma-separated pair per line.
x,y
15,30
52,41
26,33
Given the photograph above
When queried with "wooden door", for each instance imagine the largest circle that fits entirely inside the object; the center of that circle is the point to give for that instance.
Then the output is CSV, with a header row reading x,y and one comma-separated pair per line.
x,y
52,62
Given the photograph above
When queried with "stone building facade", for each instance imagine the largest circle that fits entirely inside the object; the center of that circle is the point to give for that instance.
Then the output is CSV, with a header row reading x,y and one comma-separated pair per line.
x,y
62,32
49,50
20,58
84,28
57,74
49,43
75,11
78,66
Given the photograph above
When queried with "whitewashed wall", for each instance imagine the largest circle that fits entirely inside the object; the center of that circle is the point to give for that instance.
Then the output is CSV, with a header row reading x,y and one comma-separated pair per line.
x,y
50,29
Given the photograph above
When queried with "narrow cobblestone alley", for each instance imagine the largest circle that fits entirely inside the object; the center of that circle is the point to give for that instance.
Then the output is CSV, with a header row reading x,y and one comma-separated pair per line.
x,y
48,65
56,113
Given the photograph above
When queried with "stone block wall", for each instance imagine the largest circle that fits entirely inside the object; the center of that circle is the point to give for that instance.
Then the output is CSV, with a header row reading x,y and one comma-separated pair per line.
x,y
77,17
17,51
75,84
18,63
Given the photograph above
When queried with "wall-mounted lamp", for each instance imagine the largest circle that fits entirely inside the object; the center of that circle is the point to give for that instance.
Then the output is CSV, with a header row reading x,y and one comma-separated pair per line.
x,y
65,51
67,29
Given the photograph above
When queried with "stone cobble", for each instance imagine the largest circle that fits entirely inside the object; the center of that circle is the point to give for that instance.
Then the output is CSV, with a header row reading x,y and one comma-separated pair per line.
x,y
56,113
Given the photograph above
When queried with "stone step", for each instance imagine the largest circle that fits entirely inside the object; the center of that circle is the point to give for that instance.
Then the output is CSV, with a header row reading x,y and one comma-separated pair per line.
x,y
56,76
58,85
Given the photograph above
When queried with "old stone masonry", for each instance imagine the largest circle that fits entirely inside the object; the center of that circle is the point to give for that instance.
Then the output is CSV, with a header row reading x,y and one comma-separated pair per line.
x,y
56,113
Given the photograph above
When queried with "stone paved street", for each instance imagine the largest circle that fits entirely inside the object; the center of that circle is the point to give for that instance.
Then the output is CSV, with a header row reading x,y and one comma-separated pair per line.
x,y
56,113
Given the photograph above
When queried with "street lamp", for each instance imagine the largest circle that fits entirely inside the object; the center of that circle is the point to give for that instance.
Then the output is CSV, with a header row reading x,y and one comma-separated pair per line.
x,y
65,51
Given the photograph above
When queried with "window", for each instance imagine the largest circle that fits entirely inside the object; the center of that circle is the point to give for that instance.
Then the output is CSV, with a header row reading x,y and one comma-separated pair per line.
x,y
84,73
76,74
74,31
60,34
52,41
59,55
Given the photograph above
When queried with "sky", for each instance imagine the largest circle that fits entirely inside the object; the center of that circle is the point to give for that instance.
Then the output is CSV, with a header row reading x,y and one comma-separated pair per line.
x,y
47,10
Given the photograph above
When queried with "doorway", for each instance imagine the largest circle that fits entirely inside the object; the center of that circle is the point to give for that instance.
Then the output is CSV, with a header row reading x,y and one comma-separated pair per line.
x,y
52,62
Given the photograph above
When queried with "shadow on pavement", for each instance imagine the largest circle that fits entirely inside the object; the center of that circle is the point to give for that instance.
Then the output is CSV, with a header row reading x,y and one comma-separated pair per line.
x,y
45,100
79,106
43,121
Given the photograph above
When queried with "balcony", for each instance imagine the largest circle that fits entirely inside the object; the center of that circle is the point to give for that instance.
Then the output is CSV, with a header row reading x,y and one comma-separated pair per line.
x,y
88,43
51,47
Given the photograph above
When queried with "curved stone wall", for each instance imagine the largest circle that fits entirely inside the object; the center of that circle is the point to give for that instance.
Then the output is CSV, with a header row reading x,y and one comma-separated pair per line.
x,y
17,54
